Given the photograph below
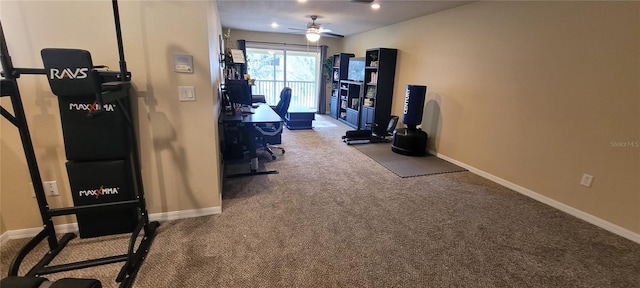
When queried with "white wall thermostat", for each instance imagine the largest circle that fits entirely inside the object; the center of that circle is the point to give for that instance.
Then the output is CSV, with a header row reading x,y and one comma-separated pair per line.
x,y
182,63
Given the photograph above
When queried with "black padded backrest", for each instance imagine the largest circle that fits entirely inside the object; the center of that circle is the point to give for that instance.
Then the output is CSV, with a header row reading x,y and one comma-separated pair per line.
x,y
70,72
72,78
285,100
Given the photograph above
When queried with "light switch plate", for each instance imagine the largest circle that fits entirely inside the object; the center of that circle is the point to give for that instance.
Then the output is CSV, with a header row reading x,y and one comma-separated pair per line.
x,y
586,180
186,93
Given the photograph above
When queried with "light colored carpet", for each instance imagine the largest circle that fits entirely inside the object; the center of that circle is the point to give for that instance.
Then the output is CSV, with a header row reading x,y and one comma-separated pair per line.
x,y
407,166
333,217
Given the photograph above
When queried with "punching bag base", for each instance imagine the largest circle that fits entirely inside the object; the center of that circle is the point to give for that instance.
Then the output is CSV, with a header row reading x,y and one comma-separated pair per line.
x,y
409,142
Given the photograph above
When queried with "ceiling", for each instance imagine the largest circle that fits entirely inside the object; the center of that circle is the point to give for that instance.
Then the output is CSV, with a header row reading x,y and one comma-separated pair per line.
x,y
341,16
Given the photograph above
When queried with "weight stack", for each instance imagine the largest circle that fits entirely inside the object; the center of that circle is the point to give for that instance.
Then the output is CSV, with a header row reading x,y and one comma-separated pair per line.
x,y
97,183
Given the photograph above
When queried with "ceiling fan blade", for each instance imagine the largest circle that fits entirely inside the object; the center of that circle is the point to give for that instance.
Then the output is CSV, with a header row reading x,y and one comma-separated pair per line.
x,y
362,1
315,28
325,30
334,35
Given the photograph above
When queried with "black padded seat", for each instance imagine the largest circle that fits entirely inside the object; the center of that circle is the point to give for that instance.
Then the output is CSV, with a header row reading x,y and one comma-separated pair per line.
x,y
22,282
76,283
37,282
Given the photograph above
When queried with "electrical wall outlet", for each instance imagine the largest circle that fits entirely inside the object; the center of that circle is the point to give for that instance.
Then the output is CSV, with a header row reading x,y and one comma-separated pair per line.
x,y
586,180
51,188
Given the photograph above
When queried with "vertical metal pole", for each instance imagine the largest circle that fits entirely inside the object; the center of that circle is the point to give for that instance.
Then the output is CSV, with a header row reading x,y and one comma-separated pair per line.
x,y
116,18
135,153
27,144
7,65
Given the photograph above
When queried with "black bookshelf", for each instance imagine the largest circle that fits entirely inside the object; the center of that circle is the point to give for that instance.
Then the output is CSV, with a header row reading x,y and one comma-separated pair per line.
x,y
232,69
339,72
379,78
350,101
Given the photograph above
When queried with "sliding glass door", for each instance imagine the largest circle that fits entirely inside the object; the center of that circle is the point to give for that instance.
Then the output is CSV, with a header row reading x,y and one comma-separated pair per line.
x,y
274,68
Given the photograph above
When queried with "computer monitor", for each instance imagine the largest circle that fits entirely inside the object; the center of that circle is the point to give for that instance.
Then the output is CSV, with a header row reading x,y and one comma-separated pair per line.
x,y
238,91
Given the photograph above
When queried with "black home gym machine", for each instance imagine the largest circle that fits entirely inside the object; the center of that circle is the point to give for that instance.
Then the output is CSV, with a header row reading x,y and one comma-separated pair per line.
x,y
103,163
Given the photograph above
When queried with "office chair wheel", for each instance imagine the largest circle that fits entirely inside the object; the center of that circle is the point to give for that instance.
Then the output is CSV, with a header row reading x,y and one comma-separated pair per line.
x,y
282,151
273,157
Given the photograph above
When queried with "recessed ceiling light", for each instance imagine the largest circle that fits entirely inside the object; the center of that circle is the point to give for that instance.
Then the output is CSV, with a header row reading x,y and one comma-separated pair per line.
x,y
274,25
302,1
375,6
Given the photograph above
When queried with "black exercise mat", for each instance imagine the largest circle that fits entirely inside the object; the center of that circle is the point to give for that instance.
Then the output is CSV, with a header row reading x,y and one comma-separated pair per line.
x,y
407,166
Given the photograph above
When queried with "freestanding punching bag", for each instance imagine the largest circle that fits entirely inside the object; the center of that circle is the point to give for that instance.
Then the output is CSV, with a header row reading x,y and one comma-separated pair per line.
x,y
411,141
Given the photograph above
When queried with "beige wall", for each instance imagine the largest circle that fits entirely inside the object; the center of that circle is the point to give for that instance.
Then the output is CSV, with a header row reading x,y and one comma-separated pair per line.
x,y
533,93
178,140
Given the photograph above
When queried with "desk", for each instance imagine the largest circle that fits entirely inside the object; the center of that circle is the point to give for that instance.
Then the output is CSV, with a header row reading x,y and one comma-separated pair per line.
x,y
262,114
299,117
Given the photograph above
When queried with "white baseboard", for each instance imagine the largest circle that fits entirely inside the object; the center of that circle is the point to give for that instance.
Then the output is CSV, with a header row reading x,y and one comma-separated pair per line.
x,y
73,227
613,228
184,214
30,232
4,237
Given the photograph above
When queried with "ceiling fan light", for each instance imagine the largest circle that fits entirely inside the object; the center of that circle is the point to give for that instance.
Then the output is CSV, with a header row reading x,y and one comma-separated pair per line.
x,y
313,36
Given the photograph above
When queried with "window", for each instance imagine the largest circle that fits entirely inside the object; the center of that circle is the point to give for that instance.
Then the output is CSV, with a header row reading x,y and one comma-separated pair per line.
x,y
274,68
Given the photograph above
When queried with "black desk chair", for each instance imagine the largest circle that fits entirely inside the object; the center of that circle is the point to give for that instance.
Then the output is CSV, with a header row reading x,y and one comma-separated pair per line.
x,y
269,134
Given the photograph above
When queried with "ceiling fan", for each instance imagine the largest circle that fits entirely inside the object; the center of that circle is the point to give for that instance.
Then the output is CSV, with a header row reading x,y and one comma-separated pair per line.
x,y
314,30
362,1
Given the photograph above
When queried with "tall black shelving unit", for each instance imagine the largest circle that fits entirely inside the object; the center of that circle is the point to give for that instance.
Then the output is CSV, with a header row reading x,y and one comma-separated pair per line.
x,y
350,102
339,72
231,68
379,80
